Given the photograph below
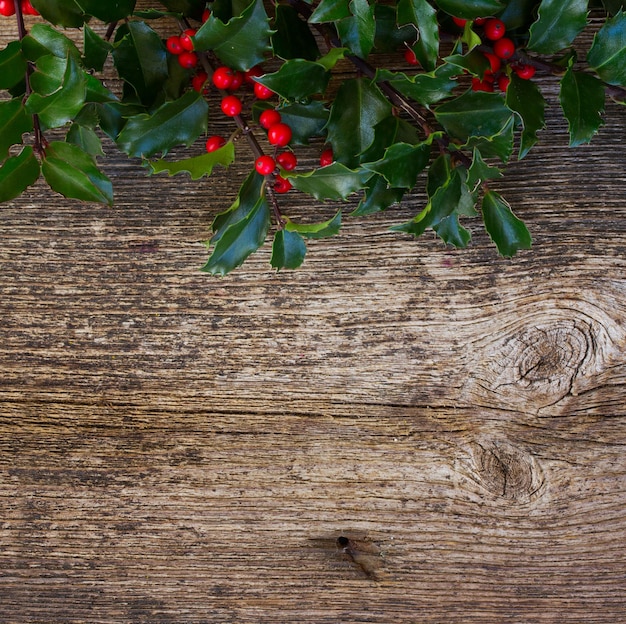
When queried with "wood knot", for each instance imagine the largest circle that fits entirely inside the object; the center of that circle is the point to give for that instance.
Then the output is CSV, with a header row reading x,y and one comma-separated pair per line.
x,y
507,472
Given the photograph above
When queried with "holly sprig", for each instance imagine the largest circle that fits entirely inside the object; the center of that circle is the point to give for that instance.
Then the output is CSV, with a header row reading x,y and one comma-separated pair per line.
x,y
463,103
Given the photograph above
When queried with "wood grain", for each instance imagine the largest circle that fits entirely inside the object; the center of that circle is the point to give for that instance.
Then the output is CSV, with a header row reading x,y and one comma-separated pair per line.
x,y
180,448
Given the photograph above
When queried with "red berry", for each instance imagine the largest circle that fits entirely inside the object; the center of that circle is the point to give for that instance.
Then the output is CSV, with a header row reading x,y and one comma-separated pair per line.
x,y
173,45
525,72
223,77
262,92
188,60
205,15
214,143
503,82
410,58
326,157
186,39
237,81
504,48
28,8
459,21
494,62
199,80
281,185
252,73
231,106
482,85
269,118
287,160
7,8
479,21
494,29
265,165
279,134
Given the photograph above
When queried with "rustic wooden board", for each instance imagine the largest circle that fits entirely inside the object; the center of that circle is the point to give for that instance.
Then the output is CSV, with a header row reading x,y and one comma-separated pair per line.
x,y
180,448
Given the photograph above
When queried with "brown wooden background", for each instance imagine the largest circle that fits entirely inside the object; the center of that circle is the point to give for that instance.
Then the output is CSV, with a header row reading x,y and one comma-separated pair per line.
x,y
180,448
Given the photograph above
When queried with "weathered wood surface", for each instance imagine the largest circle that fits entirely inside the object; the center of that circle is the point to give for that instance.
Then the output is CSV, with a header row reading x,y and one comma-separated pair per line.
x,y
179,448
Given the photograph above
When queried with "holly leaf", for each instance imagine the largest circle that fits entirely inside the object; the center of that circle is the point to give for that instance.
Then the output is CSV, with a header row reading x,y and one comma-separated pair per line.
x,y
293,37
305,120
239,240
558,22
358,31
334,181
14,122
525,98
316,230
330,11
108,11
358,107
423,17
242,42
85,138
12,65
179,122
197,166
582,99
288,250
391,130
507,231
475,62
452,232
424,88
378,197
500,145
607,55
470,10
96,49
401,164
297,79
18,173
66,13
479,171
74,174
43,40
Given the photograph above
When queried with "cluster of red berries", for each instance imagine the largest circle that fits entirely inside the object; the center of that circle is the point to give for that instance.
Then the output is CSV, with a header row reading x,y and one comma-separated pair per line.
x,y
7,8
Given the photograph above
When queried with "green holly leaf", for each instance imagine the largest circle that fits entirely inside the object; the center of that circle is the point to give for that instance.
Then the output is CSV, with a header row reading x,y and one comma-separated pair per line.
x,y
525,98
108,11
141,59
452,232
288,250
60,87
65,13
473,114
239,240
390,130
518,14
334,181
480,171
359,105
401,164
305,120
192,7
297,79
358,31
607,55
241,43
43,40
505,229
475,62
293,37
197,166
85,138
96,49
14,122
74,174
557,24
423,17
316,230
179,122
378,197
389,37
12,65
470,10
500,145
582,99
18,173
330,11
332,57
424,88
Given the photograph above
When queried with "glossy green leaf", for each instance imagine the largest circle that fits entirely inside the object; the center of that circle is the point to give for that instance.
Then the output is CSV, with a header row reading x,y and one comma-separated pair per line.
x,y
293,37
390,130
470,10
60,12
452,232
518,14
358,107
421,15
197,166
14,122
174,123
316,230
479,171
288,250
474,61
334,181
18,173
241,43
141,59
63,104
582,99
500,145
85,138
96,49
74,174
424,88
358,31
525,98
330,11
43,40
240,240
607,55
557,24
332,57
305,120
108,10
378,196
12,65
191,7
401,164
389,36
473,114
297,79
505,229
